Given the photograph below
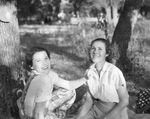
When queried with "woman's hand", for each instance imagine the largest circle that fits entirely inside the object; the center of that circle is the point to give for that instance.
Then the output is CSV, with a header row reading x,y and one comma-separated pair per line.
x,y
87,75
18,103
19,107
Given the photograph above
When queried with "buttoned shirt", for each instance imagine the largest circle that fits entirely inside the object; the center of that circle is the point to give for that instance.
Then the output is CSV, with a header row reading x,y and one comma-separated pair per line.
x,y
104,85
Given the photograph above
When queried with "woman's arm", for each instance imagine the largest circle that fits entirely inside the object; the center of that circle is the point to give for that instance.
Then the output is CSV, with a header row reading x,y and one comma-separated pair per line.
x,y
43,94
123,102
39,110
70,85
86,107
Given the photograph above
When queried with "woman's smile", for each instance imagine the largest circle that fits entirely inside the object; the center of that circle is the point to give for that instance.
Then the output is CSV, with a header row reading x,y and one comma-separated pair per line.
x,y
96,55
41,62
98,52
45,67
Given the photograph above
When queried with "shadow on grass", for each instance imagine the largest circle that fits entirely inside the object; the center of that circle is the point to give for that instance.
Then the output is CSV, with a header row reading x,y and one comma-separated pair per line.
x,y
31,40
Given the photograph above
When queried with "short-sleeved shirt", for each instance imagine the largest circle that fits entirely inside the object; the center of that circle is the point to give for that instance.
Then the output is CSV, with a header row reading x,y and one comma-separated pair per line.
x,y
41,86
40,90
104,86
54,76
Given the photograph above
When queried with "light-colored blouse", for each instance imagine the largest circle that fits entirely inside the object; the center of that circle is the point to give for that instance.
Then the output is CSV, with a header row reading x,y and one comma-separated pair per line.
x,y
104,86
40,90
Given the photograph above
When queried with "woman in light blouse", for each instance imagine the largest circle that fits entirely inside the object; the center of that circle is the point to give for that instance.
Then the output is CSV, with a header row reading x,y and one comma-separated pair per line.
x,y
107,96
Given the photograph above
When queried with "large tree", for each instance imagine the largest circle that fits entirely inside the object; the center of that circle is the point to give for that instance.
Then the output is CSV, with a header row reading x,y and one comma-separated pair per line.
x,y
123,32
9,35
9,54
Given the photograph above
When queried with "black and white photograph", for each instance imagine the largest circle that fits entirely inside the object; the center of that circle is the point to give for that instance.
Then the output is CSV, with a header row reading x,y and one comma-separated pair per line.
x,y
74,59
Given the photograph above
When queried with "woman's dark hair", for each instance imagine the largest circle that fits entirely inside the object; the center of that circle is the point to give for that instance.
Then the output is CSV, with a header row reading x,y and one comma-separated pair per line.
x,y
29,56
106,42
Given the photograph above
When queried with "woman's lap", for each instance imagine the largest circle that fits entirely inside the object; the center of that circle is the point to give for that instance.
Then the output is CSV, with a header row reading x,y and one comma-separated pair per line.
x,y
61,101
94,113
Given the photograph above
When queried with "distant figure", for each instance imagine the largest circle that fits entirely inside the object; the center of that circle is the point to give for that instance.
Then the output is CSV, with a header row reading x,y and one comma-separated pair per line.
x,y
61,16
102,23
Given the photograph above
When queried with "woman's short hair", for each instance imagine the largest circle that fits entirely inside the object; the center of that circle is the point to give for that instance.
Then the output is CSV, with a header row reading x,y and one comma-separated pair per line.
x,y
105,41
29,56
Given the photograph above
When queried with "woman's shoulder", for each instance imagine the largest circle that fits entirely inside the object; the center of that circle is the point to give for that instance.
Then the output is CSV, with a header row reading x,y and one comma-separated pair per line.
x,y
44,76
52,74
41,78
112,68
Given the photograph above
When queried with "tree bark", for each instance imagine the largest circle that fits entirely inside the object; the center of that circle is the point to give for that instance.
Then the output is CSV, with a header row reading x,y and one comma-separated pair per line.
x,y
9,36
108,15
9,55
122,34
115,15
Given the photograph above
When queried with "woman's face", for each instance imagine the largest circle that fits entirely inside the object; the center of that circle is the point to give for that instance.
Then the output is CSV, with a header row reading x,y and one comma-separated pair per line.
x,y
41,62
98,52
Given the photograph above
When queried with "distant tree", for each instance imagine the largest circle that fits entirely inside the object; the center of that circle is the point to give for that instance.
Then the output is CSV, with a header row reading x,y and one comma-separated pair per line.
x,y
122,33
77,5
28,8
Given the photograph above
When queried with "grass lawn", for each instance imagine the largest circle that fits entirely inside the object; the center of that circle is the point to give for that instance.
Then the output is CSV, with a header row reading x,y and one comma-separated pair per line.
x,y
69,61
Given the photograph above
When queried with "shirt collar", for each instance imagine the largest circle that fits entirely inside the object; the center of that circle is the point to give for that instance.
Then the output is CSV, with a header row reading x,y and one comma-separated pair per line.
x,y
105,67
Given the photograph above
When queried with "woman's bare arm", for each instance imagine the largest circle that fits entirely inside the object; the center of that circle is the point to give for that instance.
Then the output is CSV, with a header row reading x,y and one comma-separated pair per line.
x,y
70,85
39,110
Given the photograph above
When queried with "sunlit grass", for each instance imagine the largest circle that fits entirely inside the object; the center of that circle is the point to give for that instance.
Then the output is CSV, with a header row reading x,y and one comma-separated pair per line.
x,y
69,52
72,46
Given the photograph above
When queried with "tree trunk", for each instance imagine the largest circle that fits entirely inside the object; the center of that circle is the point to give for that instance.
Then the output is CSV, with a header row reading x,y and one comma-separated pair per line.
x,y
108,14
115,15
122,34
9,55
9,36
